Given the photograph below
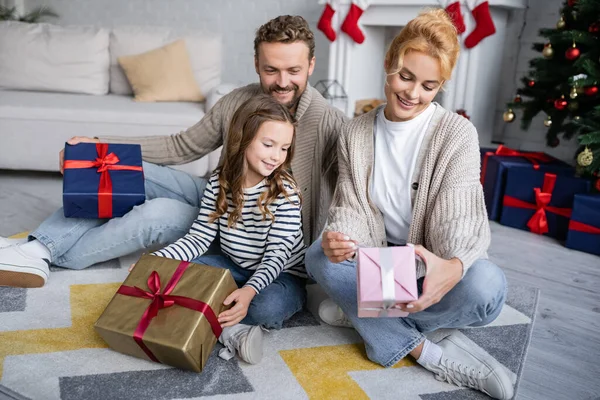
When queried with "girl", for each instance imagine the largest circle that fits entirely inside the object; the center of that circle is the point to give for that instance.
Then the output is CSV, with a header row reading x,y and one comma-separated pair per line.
x,y
409,172
253,204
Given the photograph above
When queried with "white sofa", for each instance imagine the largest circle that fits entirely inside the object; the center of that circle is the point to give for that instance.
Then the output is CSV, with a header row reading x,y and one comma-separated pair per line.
x,y
60,82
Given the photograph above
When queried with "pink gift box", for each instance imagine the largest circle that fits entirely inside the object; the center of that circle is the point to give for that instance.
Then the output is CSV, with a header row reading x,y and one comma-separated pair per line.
x,y
386,277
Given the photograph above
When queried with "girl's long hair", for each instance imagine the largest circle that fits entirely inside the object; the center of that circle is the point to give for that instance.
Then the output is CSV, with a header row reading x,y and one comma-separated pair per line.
x,y
243,129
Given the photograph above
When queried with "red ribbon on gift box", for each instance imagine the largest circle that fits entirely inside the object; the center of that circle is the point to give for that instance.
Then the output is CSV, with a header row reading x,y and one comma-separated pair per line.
x,y
533,157
163,299
539,222
581,227
104,162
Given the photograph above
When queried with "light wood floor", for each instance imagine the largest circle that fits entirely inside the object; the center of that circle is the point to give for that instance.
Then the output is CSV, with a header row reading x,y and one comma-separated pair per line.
x,y
564,356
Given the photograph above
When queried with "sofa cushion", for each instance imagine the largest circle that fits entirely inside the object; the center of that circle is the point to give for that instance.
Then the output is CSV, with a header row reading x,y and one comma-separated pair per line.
x,y
48,57
163,74
204,52
96,109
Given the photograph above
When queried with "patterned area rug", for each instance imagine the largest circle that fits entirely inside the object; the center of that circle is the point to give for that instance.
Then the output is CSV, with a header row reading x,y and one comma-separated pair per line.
x,y
48,350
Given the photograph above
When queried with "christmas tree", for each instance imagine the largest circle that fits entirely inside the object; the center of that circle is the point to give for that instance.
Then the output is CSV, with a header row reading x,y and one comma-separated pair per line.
x,y
563,83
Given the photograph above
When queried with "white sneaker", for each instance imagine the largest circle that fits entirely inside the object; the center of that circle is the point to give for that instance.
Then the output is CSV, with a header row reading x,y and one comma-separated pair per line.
x,y
17,269
245,339
333,315
7,242
462,365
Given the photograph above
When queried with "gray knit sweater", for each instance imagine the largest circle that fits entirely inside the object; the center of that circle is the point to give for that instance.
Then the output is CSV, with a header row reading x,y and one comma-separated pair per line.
x,y
449,216
315,161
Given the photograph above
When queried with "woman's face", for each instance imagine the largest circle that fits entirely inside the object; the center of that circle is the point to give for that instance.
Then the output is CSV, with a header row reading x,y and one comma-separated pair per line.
x,y
411,90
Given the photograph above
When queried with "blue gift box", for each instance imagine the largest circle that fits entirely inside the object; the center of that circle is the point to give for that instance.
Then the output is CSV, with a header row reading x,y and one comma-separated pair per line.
x,y
586,210
521,184
494,180
82,181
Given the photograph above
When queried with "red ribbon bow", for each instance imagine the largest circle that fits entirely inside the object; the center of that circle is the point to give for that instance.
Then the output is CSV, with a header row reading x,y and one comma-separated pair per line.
x,y
538,223
163,299
533,157
581,227
103,163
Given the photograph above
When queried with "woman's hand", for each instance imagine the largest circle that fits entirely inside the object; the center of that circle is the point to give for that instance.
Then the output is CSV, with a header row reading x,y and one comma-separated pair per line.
x,y
235,314
442,275
338,247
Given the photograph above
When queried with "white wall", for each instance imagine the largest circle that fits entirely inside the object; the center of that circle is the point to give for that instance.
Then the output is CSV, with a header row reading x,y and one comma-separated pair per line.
x,y
541,14
235,20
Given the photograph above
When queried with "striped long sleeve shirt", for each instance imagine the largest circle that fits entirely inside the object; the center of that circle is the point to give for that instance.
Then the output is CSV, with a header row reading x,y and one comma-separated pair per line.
x,y
268,247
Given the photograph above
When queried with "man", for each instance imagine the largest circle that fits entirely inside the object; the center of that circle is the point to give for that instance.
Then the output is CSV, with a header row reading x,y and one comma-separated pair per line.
x,y
284,60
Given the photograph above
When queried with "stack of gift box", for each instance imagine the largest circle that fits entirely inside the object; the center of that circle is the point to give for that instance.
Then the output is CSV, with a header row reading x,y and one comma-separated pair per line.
x,y
538,193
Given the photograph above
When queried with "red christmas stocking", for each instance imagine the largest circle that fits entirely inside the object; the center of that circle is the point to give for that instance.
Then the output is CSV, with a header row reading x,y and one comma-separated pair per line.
x,y
350,25
484,25
453,9
324,24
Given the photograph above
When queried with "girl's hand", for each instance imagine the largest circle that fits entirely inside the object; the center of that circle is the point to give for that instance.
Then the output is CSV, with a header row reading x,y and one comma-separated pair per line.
x,y
442,275
235,314
338,247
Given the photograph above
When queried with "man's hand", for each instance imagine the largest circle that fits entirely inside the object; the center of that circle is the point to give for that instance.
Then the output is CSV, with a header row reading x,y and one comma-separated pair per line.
x,y
235,314
338,247
73,140
442,275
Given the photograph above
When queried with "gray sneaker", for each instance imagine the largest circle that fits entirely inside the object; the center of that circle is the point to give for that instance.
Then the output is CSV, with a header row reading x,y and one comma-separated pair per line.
x,y
463,365
333,315
246,340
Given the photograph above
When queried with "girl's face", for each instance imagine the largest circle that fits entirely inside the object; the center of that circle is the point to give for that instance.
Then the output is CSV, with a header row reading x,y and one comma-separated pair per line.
x,y
412,89
268,150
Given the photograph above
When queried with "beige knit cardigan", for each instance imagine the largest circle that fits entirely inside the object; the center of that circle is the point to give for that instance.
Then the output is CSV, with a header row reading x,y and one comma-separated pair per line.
x,y
449,216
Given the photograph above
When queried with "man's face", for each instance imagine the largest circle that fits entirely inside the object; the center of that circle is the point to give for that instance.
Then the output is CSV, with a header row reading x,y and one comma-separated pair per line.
x,y
283,70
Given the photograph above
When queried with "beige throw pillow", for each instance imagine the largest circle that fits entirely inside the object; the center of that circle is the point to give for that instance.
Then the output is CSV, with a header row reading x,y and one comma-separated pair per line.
x,y
163,74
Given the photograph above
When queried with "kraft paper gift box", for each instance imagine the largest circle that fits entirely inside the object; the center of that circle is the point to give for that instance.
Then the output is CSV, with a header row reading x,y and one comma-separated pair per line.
x,y
496,163
166,311
102,180
540,202
584,226
386,277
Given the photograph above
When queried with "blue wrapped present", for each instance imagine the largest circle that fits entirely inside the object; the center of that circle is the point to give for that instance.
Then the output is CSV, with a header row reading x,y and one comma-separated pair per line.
x,y
495,165
102,180
539,201
584,227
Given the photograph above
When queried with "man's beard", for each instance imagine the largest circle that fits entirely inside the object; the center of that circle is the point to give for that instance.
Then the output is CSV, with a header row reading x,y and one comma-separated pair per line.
x,y
291,105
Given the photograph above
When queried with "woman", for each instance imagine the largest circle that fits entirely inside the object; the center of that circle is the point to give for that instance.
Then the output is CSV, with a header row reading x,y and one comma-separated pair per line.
x,y
409,172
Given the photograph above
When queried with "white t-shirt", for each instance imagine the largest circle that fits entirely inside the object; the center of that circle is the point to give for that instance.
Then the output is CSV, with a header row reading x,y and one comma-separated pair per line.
x,y
397,147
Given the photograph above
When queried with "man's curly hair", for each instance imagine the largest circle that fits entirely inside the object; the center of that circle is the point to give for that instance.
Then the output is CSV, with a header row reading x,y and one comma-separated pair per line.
x,y
286,29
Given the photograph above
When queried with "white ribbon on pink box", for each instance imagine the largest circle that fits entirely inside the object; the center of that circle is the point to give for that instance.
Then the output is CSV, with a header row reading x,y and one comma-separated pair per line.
x,y
386,277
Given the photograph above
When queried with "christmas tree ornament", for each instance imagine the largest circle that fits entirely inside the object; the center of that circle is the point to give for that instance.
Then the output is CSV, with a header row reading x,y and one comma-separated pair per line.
x,y
554,142
517,99
324,24
591,90
597,185
548,52
452,8
573,53
531,83
350,25
573,106
574,15
594,28
508,116
484,25
561,22
573,93
577,118
571,3
548,122
560,104
585,158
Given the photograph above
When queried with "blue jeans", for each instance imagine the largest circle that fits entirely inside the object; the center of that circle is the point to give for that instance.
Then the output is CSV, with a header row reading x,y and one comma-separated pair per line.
x,y
172,204
475,301
276,303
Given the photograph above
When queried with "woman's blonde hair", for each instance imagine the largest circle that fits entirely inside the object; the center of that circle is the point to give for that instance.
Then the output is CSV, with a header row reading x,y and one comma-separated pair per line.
x,y
244,127
431,32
